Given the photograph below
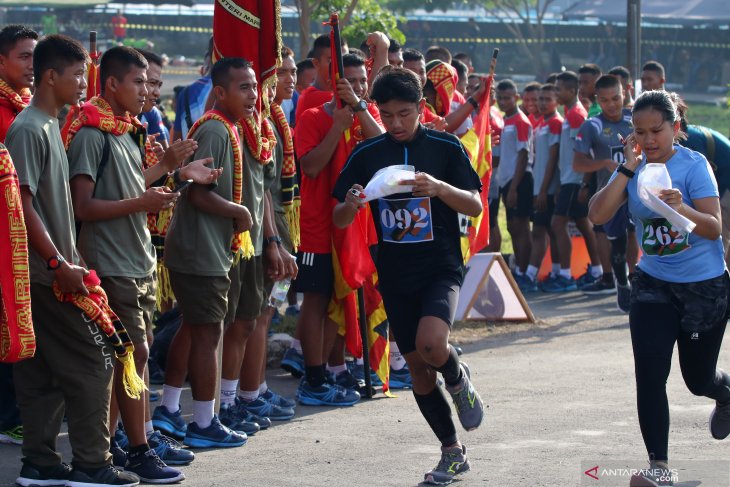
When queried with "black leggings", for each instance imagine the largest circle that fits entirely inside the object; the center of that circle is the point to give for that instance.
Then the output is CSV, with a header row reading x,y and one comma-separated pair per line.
x,y
655,327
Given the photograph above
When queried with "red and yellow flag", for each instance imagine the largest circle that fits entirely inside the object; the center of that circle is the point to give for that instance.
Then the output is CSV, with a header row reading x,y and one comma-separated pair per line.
x,y
478,144
250,29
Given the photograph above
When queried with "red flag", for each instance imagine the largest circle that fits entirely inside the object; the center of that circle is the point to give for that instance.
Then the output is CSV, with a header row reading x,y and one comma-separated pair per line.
x,y
250,29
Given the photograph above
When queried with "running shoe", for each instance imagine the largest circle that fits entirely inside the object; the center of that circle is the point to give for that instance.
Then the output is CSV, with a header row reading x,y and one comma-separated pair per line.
x,y
599,287
261,407
358,371
12,436
170,451
150,469
453,462
231,418
657,475
214,436
401,378
120,436
32,475
325,395
278,400
172,424
526,284
720,416
560,284
586,279
119,455
348,381
469,405
108,475
623,298
293,362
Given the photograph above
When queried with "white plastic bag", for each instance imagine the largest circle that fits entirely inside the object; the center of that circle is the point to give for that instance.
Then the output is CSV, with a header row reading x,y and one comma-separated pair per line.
x,y
652,179
387,182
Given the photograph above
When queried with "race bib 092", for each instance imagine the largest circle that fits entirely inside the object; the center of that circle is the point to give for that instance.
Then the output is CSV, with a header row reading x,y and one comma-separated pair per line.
x,y
406,220
661,238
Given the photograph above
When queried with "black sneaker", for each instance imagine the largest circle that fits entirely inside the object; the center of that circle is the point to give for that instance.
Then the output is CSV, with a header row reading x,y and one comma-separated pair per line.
x,y
720,416
31,474
599,287
101,477
453,462
119,455
150,469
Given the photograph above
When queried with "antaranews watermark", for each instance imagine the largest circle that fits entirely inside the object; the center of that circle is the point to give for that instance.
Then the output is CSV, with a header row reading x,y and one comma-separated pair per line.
x,y
610,472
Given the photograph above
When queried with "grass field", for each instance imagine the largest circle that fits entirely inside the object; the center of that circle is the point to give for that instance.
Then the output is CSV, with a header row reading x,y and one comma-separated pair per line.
x,y
711,116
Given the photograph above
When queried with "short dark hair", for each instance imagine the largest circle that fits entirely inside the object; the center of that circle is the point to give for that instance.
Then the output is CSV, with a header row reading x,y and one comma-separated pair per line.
x,y
476,75
655,66
569,78
11,34
590,68
355,51
461,69
438,52
321,44
394,45
532,86
304,65
394,83
622,72
463,57
552,78
287,52
151,57
608,81
410,54
549,87
220,74
352,60
56,52
506,84
118,61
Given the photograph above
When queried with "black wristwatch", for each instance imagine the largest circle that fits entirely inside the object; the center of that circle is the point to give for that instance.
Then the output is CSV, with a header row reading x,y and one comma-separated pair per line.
x,y
273,238
360,106
473,102
54,262
625,171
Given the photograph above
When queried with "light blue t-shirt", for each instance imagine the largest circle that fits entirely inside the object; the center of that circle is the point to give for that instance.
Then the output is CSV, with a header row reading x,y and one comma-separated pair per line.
x,y
667,253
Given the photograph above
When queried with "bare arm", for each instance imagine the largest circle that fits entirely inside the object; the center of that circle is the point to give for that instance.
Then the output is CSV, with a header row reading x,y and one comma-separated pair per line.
x,y
344,213
552,164
585,163
370,127
379,43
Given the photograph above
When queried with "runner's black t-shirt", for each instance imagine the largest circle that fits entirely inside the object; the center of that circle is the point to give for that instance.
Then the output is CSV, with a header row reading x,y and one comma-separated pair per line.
x,y
419,238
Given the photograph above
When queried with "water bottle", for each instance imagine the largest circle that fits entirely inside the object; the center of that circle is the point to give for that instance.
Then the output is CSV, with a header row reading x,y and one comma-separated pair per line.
x,y
279,292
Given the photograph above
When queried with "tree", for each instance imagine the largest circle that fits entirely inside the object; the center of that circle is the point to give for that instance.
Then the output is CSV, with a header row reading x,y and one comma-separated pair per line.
x,y
357,19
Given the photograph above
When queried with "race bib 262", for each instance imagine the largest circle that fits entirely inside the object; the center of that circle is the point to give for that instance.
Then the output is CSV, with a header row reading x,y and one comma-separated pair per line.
x,y
406,220
661,238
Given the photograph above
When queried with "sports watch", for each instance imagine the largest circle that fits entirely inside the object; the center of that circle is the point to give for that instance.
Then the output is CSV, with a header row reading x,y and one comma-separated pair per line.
x,y
54,262
360,106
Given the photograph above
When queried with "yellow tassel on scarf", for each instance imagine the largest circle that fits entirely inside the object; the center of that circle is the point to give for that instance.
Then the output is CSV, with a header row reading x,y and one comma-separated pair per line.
x,y
134,386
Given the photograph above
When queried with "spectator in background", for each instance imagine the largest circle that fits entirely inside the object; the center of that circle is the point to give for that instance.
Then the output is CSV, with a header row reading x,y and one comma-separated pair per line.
x,y
587,76
466,59
530,96
395,53
191,101
462,71
151,115
119,26
625,77
652,76
49,21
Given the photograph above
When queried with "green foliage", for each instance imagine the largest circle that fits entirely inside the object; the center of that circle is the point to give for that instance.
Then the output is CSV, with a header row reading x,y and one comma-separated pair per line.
x,y
404,6
370,17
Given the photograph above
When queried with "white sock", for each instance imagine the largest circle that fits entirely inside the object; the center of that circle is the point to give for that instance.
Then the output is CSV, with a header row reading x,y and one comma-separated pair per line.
x,y
397,362
171,398
228,392
148,428
359,361
555,268
248,396
565,273
597,271
263,388
203,413
296,345
336,369
532,272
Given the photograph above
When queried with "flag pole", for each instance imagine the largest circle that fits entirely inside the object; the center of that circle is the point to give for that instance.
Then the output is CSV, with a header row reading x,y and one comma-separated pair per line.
x,y
364,338
337,50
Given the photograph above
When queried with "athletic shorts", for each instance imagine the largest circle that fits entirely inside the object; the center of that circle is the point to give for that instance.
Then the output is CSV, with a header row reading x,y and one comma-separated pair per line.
x,y
316,273
620,223
437,298
524,198
246,294
567,203
134,301
201,299
543,218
